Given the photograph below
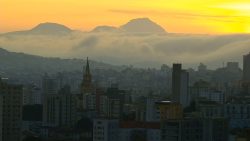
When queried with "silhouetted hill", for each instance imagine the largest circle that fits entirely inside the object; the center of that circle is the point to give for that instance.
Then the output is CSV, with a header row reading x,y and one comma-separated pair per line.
x,y
50,28
142,25
44,29
24,63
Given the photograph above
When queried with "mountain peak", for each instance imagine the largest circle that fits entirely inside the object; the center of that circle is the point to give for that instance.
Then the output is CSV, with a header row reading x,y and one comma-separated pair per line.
x,y
145,19
50,28
105,29
144,25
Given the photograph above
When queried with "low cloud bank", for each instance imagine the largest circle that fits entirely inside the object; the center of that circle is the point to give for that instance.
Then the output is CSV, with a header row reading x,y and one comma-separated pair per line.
x,y
142,50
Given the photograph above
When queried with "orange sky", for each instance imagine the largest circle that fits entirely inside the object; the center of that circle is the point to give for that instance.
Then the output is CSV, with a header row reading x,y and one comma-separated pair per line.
x,y
182,16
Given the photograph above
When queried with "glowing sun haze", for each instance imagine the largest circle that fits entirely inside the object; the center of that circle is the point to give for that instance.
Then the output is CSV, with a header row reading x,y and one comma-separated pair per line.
x,y
181,16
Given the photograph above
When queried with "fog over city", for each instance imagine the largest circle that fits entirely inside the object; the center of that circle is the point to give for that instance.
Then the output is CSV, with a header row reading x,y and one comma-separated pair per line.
x,y
128,70
141,42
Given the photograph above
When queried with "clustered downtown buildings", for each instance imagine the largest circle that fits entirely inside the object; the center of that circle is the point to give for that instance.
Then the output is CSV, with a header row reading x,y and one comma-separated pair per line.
x,y
201,111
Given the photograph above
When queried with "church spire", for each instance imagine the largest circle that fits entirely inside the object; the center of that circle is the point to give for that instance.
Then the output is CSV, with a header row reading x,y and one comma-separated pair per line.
x,y
86,86
87,71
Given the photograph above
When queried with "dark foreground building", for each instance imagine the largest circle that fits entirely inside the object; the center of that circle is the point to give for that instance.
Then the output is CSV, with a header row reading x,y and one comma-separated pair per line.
x,y
10,111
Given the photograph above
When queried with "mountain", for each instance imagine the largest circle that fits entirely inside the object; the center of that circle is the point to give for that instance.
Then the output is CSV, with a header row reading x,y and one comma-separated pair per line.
x,y
21,63
50,28
139,25
44,29
142,25
105,29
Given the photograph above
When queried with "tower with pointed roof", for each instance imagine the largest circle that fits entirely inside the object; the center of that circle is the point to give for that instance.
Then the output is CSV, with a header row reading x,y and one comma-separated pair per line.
x,y
86,86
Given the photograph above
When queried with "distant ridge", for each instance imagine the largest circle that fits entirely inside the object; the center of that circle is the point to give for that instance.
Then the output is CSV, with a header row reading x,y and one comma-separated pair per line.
x,y
22,62
44,29
139,25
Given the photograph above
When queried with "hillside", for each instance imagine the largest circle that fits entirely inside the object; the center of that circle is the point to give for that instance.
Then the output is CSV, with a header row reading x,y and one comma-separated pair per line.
x,y
20,62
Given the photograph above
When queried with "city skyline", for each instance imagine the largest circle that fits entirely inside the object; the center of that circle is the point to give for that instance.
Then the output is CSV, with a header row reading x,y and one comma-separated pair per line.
x,y
131,70
181,16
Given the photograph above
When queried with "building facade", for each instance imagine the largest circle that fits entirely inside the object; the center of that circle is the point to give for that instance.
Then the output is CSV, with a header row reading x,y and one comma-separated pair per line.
x,y
152,110
169,110
180,83
105,130
193,129
10,112
143,131
246,67
60,109
32,95
202,89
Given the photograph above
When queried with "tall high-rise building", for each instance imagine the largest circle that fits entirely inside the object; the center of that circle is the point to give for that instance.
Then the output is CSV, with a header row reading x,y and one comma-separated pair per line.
x,y
111,104
184,88
180,82
49,85
10,112
32,95
60,109
176,82
246,67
